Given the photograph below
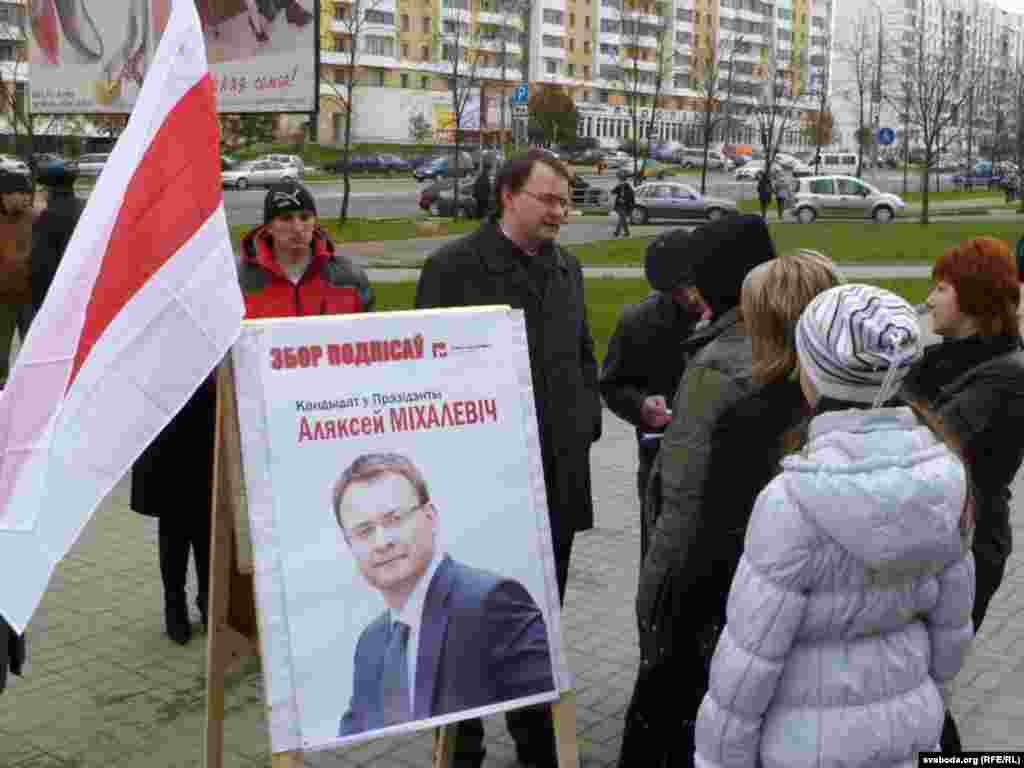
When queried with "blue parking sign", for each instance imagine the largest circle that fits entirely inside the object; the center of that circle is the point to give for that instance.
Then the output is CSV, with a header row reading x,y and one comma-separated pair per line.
x,y
886,136
521,95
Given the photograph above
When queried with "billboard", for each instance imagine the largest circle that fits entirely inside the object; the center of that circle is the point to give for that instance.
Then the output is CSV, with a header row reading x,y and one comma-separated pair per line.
x,y
90,56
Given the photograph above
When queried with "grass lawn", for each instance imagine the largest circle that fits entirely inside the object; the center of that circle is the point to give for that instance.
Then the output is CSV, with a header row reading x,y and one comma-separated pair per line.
x,y
607,296
361,230
845,242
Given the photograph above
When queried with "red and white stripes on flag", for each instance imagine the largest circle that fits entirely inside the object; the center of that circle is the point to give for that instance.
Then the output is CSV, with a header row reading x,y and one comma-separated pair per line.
x,y
145,304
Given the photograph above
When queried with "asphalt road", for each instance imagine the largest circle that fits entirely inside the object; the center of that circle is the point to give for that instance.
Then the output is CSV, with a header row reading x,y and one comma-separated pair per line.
x,y
397,197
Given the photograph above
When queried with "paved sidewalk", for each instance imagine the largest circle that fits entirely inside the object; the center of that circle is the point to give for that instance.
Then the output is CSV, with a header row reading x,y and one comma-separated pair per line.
x,y
106,689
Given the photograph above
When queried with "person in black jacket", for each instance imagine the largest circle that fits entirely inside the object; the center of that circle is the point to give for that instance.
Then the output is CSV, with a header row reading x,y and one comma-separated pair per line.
x,y
482,192
764,192
625,199
51,232
744,446
974,382
645,359
513,259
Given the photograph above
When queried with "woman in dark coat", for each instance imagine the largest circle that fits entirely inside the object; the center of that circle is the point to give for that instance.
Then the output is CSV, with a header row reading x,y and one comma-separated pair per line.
x,y
974,381
173,481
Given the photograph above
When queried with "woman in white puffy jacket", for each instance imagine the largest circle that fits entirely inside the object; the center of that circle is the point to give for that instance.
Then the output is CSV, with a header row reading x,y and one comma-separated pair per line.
x,y
851,605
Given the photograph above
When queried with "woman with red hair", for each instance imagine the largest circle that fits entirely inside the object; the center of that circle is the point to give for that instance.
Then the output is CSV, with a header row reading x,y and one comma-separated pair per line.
x,y
974,381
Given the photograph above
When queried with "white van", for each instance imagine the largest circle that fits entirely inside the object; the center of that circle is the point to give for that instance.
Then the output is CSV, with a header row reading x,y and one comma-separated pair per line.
x,y
838,162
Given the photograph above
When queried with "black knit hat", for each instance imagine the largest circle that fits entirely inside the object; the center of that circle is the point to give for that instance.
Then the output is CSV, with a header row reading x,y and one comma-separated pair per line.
x,y
670,261
287,197
715,257
14,182
733,246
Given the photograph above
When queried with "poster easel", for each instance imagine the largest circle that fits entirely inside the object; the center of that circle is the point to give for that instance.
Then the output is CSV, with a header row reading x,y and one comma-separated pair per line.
x,y
233,628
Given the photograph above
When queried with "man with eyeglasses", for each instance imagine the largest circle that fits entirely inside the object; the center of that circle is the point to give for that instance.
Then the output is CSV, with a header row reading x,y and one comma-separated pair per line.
x,y
513,259
290,267
452,637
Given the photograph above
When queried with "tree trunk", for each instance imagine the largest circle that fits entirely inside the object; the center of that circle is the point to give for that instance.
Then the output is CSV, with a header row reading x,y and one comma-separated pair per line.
x,y
346,153
924,187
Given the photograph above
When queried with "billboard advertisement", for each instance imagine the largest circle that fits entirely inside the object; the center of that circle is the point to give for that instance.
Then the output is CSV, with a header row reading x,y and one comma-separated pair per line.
x,y
90,56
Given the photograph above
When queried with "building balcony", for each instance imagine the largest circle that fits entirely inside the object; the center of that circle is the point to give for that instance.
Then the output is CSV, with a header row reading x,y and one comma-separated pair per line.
x,y
553,53
555,30
641,66
495,44
499,19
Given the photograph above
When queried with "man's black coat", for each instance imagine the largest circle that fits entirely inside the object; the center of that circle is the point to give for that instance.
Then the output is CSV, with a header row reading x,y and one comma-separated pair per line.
x,y
485,268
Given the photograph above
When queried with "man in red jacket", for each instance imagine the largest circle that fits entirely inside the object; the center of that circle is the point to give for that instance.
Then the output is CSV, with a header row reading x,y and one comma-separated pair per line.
x,y
289,266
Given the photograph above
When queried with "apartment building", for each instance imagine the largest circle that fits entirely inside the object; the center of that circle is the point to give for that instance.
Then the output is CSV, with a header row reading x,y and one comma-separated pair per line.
x,y
985,37
13,69
603,52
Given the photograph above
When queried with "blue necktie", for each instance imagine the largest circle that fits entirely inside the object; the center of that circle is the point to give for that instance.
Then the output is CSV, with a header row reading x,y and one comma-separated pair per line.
x,y
395,677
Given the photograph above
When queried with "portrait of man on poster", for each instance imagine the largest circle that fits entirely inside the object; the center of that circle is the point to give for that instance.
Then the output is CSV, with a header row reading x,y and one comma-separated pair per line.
x,y
452,637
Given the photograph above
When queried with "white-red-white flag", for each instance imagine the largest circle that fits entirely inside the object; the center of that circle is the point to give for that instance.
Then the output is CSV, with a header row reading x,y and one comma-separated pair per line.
x,y
144,305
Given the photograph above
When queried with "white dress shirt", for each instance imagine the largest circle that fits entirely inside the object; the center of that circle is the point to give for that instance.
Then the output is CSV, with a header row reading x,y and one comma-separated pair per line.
x,y
412,615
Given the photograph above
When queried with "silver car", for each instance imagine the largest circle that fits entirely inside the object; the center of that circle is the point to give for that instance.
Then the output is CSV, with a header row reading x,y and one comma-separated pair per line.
x,y
841,196
92,164
671,200
258,173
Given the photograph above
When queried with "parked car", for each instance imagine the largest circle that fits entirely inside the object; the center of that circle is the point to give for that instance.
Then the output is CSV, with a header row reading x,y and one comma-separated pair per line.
x,y
982,175
293,160
587,157
227,162
392,163
671,200
585,194
443,168
12,164
618,159
841,196
693,157
39,159
439,199
753,170
92,164
793,164
258,173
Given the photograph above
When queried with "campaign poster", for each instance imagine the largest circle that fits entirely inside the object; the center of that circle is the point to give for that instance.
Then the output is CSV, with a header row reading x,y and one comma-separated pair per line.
x,y
91,56
402,553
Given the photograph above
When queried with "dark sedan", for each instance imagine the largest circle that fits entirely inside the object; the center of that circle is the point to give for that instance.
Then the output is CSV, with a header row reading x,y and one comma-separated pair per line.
x,y
438,198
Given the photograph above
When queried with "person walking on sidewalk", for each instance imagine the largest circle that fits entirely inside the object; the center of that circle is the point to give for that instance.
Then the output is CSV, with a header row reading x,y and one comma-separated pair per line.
x,y
624,201
15,259
289,268
764,192
514,259
974,381
781,195
851,604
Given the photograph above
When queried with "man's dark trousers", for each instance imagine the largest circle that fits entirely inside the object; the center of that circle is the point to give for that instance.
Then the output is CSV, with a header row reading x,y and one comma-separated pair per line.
x,y
531,727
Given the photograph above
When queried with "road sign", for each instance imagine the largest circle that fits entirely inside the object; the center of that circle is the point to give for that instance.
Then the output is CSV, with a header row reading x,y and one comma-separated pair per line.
x,y
520,110
886,136
521,95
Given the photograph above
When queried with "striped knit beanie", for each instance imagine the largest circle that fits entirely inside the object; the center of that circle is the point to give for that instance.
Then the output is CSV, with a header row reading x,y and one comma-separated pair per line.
x,y
857,343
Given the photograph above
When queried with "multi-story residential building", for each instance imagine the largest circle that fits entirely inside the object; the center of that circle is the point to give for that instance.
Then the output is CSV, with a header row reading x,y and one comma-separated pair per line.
x,y
978,39
13,68
604,53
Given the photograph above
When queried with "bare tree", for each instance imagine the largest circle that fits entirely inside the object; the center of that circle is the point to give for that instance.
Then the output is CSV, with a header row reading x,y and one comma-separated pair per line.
x,y
938,88
515,14
14,99
462,57
860,54
714,80
353,21
823,123
776,110
642,84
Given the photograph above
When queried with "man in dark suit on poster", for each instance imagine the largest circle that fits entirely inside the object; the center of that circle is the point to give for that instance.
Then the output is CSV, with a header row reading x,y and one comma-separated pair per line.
x,y
453,637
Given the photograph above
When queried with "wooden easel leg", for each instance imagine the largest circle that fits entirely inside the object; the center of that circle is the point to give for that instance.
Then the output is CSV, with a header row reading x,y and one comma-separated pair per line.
x,y
444,746
563,712
218,658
